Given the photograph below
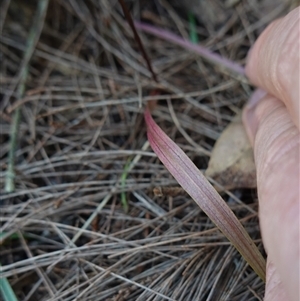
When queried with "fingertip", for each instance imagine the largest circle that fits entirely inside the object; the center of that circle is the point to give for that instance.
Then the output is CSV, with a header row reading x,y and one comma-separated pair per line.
x,y
273,62
276,151
258,58
274,288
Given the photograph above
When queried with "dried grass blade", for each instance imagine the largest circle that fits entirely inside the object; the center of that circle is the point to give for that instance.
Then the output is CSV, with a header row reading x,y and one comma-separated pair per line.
x,y
197,186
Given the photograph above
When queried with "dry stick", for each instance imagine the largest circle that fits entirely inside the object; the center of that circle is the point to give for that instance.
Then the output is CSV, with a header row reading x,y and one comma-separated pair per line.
x,y
86,18
107,198
183,132
227,256
100,277
3,12
202,51
94,214
10,174
108,102
43,277
133,282
63,48
137,38
32,40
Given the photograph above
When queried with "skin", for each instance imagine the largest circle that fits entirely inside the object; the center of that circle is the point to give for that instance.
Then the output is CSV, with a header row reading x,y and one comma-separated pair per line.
x,y
271,119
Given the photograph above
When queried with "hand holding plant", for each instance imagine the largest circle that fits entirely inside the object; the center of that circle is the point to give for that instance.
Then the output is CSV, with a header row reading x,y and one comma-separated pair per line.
x,y
272,123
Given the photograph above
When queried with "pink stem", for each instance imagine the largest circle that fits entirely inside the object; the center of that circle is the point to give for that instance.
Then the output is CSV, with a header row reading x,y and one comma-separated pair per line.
x,y
204,52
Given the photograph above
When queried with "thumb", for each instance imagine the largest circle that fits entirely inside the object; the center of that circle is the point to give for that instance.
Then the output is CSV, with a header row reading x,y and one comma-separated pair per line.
x,y
276,140
272,123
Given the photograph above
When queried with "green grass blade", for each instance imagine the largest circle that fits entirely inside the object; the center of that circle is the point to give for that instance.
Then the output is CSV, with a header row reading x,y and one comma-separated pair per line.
x,y
193,32
6,290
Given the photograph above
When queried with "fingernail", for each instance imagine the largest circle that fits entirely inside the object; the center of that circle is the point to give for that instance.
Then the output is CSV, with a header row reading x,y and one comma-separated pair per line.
x,y
249,119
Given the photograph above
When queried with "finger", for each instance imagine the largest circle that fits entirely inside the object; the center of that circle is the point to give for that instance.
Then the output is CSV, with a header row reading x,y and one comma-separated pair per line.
x,y
276,142
249,118
273,63
274,288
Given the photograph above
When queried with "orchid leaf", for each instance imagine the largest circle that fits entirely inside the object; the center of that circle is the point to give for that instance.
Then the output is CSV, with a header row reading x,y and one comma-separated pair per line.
x,y
203,193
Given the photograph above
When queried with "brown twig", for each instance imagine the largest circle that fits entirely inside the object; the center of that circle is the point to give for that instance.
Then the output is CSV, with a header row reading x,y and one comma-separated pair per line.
x,y
137,38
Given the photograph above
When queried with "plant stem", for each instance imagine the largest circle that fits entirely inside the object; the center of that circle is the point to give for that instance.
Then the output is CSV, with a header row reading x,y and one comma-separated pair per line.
x,y
202,51
137,38
32,40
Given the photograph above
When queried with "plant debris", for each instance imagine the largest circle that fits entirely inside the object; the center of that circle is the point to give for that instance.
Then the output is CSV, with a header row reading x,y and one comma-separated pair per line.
x,y
232,162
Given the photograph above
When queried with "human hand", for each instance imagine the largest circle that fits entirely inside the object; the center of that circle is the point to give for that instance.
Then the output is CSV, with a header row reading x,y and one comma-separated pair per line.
x,y
271,120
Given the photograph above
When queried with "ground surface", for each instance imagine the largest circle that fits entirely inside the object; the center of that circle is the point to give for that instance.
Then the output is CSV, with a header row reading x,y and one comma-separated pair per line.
x,y
78,226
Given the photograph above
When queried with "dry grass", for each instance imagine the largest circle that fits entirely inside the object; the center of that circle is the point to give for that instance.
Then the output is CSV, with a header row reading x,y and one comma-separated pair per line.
x,y
82,124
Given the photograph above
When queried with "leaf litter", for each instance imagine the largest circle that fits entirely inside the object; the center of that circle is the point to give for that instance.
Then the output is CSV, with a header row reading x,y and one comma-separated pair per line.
x,y
81,122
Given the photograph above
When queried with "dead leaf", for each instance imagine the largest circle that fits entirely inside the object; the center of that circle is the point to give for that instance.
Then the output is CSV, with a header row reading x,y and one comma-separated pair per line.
x,y
232,163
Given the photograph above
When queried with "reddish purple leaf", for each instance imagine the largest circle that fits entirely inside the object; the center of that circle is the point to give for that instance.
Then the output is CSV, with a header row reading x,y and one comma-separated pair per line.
x,y
203,193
